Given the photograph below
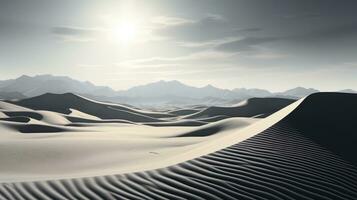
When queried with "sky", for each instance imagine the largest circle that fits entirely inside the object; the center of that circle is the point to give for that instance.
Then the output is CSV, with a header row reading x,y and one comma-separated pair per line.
x,y
269,44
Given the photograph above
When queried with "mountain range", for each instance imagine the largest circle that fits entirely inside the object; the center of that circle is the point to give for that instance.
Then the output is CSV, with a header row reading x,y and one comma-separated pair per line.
x,y
162,93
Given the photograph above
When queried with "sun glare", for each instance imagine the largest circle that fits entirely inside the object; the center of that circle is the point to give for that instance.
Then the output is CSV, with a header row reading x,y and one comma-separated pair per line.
x,y
125,32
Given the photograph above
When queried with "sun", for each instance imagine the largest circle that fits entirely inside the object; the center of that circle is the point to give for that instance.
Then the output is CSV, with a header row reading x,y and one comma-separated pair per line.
x,y
125,32
124,29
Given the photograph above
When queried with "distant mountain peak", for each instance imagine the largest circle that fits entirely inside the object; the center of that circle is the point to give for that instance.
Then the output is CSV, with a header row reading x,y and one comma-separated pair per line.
x,y
46,83
348,91
299,92
210,86
302,88
23,77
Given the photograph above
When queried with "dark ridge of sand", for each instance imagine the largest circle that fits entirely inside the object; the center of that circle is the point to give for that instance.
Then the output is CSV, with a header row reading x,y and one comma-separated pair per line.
x,y
37,128
204,132
183,112
279,163
329,119
177,123
215,128
83,120
252,107
62,103
29,114
214,119
21,119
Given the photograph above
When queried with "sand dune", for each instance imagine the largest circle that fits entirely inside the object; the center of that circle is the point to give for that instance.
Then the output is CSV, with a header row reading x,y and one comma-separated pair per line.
x,y
253,107
62,103
219,127
30,114
324,113
253,169
178,123
11,107
183,112
303,151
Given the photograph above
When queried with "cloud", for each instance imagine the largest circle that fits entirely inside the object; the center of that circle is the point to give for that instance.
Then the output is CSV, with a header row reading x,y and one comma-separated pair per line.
x,y
170,21
75,33
211,32
245,44
210,27
72,31
191,61
327,37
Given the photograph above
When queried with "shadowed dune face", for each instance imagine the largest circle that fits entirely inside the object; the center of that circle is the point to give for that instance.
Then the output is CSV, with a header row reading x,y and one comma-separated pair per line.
x,y
250,108
33,115
178,123
216,128
329,119
65,103
84,120
62,103
16,119
38,128
183,112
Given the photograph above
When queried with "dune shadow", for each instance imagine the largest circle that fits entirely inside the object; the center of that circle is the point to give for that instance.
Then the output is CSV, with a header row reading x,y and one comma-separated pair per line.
x,y
33,115
36,128
329,119
16,119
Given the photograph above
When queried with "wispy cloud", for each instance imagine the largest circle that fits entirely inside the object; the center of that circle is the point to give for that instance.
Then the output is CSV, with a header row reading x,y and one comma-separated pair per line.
x,y
191,59
76,34
210,27
245,44
170,21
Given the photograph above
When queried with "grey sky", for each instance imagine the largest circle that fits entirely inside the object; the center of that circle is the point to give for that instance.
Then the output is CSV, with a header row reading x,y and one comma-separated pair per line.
x,y
271,44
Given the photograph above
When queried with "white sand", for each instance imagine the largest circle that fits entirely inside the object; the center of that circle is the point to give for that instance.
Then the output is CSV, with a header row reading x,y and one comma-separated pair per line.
x,y
110,148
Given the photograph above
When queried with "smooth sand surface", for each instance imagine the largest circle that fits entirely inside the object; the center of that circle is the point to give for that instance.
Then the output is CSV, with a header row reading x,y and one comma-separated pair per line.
x,y
40,145
283,156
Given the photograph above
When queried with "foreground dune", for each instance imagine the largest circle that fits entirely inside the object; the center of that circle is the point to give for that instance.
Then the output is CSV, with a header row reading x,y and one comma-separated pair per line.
x,y
304,151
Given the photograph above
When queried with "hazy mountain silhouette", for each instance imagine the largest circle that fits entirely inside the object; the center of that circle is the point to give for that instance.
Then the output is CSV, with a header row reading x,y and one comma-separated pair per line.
x,y
41,84
254,92
161,93
177,89
348,91
11,95
298,92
